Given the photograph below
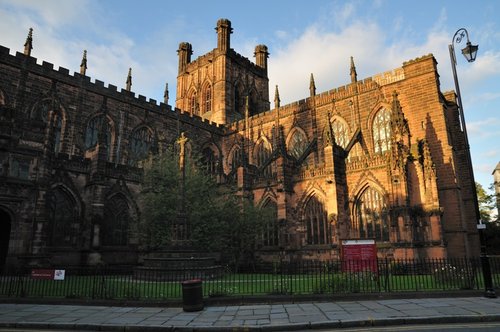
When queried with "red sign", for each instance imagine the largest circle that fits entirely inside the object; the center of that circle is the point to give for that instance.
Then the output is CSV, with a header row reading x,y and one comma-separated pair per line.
x,y
42,274
359,255
47,274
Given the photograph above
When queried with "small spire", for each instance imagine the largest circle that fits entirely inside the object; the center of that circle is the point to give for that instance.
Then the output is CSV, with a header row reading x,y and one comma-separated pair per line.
x,y
28,45
83,65
312,86
165,94
129,80
276,98
354,75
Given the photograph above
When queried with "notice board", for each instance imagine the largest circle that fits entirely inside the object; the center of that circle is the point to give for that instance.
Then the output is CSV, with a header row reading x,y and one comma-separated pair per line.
x,y
359,255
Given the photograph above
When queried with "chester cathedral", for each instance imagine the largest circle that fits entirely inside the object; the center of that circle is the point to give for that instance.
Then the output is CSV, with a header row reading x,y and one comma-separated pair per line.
x,y
383,157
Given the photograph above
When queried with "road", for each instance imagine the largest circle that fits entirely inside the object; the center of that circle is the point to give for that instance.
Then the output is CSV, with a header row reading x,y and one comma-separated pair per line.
x,y
463,327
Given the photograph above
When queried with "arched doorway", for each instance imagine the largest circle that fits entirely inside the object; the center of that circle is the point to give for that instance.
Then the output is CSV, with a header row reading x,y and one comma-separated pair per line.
x,y
5,225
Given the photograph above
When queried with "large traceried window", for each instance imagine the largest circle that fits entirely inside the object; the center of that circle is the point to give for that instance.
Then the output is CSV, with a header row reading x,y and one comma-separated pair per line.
x,y
340,132
262,155
236,158
318,230
371,218
141,142
114,230
94,126
209,161
207,99
271,229
56,135
41,113
382,131
193,103
62,218
239,100
297,144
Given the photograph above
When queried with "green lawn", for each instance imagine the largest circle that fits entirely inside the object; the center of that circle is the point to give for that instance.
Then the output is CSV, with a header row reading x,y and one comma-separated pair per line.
x,y
126,287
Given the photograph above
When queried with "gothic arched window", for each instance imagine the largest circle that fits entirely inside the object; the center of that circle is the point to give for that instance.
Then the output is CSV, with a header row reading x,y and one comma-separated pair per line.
x,y
114,229
193,103
262,155
236,158
318,230
92,132
209,160
297,144
382,131
141,142
57,133
62,218
41,112
2,98
340,132
371,217
207,98
271,230
239,104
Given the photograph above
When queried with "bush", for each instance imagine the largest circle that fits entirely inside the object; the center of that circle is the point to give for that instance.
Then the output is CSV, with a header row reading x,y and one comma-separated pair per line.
x,y
452,276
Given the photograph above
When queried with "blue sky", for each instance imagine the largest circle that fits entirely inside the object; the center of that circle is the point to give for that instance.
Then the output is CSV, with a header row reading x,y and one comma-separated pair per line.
x,y
303,37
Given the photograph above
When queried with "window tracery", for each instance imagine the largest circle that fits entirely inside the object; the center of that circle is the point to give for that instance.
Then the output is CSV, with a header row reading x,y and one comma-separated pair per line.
x,y
382,131
62,217
209,160
236,158
340,131
318,230
297,144
208,98
262,155
141,142
271,230
114,229
371,216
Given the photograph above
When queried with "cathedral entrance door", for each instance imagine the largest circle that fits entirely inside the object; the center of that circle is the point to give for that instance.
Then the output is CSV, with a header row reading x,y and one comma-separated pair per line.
x,y
5,225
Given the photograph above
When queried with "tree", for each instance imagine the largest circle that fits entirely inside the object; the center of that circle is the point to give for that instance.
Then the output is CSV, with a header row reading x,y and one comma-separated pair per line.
x,y
486,204
219,219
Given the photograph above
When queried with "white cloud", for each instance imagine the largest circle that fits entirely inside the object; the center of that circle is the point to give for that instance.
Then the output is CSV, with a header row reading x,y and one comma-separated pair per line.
x,y
484,128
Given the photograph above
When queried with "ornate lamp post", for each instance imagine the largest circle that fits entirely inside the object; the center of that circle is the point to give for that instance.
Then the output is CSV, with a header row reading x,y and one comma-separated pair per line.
x,y
470,52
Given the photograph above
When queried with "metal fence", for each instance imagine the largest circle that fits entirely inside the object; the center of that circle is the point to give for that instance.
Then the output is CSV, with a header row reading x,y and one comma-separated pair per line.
x,y
277,278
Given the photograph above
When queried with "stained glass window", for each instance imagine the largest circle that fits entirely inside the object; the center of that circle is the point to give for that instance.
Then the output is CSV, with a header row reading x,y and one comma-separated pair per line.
x,y
371,219
209,161
193,103
114,229
92,131
208,98
263,152
382,131
341,132
297,144
236,158
271,231
318,230
62,218
140,144
57,133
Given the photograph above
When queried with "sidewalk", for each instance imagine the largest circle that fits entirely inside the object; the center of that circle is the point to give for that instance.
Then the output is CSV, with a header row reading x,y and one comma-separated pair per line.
x,y
260,317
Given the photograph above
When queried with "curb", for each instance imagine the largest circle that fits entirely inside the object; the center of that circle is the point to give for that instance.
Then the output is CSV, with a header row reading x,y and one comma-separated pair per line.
x,y
271,328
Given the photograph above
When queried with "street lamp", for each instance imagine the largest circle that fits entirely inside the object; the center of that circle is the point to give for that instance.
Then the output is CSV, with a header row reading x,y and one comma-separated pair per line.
x,y
470,52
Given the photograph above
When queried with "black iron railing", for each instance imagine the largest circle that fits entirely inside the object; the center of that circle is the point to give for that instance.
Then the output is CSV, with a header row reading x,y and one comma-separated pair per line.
x,y
277,278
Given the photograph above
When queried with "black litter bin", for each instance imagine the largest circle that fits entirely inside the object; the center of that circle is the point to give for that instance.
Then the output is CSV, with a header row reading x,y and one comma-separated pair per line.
x,y
192,295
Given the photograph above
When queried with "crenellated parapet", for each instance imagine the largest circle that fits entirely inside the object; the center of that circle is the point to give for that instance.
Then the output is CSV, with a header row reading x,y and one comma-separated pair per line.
x,y
63,76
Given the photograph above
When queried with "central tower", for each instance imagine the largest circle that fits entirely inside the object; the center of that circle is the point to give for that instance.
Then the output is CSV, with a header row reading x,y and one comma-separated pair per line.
x,y
217,85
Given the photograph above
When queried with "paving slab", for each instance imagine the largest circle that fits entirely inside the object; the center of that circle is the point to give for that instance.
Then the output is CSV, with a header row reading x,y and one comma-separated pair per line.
x,y
255,317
